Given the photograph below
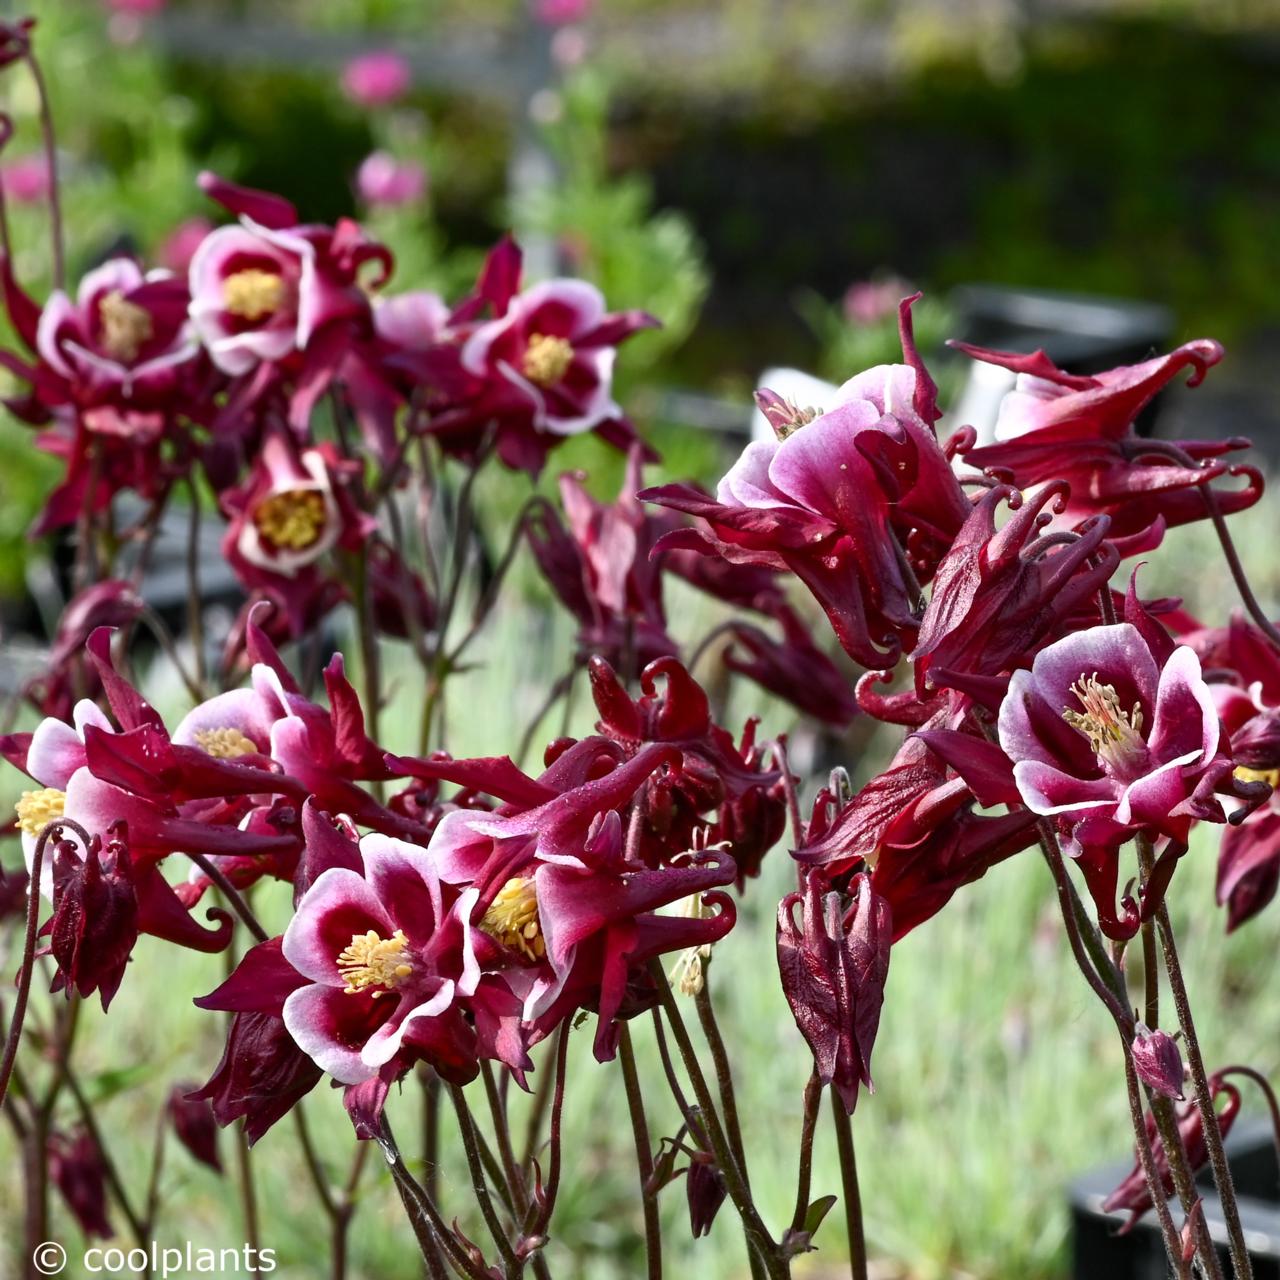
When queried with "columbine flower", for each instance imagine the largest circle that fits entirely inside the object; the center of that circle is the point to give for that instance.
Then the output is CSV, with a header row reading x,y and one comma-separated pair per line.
x,y
554,347
94,925
117,352
833,968
563,913
1157,1061
1056,426
1133,1194
716,774
601,567
269,287
999,593
1108,741
291,510
383,958
828,499
914,828
77,1169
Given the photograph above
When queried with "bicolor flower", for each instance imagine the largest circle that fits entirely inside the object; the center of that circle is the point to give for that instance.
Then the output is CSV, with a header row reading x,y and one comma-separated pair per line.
x,y
843,500
1055,426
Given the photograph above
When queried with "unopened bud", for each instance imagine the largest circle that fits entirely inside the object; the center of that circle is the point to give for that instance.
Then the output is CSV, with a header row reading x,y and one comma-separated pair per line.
x,y
1158,1063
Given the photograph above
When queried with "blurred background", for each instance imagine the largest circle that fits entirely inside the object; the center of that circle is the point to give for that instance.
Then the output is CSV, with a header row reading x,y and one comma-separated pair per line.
x,y
768,177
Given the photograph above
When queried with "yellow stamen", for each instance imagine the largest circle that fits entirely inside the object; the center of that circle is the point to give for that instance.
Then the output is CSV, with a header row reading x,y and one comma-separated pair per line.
x,y
373,961
1113,733
794,420
225,744
546,359
253,294
292,518
512,918
1245,774
36,809
125,327
688,972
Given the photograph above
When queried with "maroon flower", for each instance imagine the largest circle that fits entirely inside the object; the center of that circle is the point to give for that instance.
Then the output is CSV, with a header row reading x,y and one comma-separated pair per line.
x,y
566,912
1249,865
834,499
913,826
262,1075
716,774
293,508
833,967
94,925
538,371
1056,426
77,1169
1109,739
793,668
1000,593
1132,1194
602,570
195,1125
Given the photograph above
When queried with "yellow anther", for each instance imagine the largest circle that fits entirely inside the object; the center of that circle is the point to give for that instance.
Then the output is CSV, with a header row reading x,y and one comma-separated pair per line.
x,y
293,518
36,809
512,918
125,326
546,359
374,961
225,744
1245,774
252,294
1113,732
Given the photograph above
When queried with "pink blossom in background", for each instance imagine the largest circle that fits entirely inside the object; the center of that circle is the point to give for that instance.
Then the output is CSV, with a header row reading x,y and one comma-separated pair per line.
x,y
569,47
556,13
179,246
384,180
26,179
136,7
376,79
868,302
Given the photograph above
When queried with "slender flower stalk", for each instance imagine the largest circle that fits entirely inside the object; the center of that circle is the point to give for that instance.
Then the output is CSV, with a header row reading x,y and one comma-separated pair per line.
x,y
852,1194
644,1157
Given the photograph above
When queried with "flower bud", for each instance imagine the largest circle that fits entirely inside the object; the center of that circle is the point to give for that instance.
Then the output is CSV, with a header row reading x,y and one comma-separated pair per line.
x,y
77,1170
706,1191
195,1125
1158,1063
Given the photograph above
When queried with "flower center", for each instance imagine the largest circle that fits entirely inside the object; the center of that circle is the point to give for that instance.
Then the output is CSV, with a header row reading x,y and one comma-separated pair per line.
x,y
791,418
252,294
36,809
293,518
125,326
546,359
225,744
688,972
512,918
1245,774
373,961
1114,734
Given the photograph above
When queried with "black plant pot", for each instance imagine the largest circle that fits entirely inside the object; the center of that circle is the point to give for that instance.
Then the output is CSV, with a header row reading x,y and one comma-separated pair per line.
x,y
1099,1254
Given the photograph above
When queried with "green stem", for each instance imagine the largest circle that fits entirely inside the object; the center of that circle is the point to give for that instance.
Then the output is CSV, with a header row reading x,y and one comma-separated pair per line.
x,y
852,1196
644,1155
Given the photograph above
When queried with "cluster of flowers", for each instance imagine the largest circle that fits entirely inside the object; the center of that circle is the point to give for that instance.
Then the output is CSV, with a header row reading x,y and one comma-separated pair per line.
x,y
450,931
455,928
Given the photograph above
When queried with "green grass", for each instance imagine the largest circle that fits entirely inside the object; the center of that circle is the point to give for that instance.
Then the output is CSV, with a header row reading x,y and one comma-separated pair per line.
x,y
998,1076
